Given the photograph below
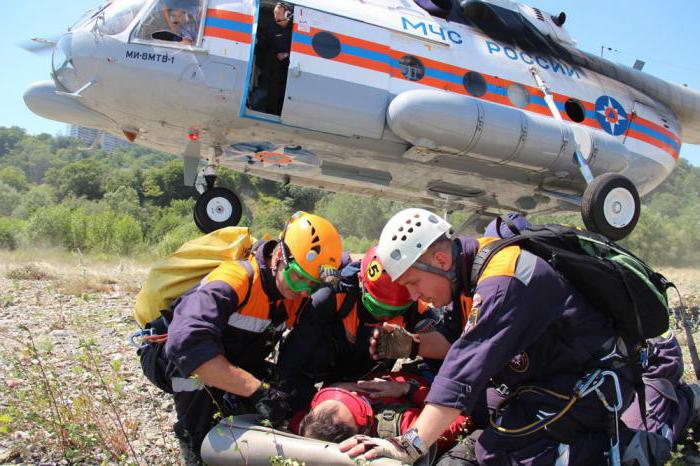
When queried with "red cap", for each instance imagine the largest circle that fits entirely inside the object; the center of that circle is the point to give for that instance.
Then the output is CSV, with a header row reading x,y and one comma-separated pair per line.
x,y
378,283
358,405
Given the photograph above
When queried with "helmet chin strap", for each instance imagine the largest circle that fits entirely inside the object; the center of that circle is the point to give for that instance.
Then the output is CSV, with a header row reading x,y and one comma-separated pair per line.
x,y
451,274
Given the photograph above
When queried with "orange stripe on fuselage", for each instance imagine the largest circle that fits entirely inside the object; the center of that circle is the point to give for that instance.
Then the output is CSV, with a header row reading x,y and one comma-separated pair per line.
x,y
230,15
345,58
489,96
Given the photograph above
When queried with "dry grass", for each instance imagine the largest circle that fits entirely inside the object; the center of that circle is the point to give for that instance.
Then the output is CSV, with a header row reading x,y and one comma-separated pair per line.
x,y
29,271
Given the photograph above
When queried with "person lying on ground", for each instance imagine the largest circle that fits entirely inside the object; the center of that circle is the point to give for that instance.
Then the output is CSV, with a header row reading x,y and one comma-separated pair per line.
x,y
386,405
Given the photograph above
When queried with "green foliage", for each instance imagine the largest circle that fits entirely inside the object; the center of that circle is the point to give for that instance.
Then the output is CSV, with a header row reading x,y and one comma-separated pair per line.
x,y
84,178
37,197
133,201
162,185
271,215
363,217
175,238
123,199
14,177
9,232
9,197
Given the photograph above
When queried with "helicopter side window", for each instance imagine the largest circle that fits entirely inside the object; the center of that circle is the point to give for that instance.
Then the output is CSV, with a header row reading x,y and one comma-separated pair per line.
x,y
118,15
174,21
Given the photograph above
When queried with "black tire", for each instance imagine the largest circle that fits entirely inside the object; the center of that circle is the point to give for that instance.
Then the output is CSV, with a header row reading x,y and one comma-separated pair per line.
x,y
217,208
596,200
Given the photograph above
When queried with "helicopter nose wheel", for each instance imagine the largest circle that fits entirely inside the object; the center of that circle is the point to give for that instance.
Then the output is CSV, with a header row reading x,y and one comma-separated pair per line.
x,y
217,208
611,206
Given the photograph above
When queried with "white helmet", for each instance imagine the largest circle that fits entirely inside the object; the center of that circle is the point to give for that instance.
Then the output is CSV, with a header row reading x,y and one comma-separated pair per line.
x,y
406,236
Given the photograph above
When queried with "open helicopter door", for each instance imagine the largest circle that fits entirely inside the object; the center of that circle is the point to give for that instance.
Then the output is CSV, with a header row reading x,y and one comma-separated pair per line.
x,y
338,75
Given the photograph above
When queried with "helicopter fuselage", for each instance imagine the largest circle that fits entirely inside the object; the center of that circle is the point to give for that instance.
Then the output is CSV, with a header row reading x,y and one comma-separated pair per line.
x,y
379,101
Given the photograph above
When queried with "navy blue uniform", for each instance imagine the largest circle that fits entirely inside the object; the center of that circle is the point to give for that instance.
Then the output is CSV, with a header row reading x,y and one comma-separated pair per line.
x,y
528,326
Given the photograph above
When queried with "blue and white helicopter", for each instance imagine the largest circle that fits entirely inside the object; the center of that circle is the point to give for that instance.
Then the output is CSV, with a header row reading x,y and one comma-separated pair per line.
x,y
484,105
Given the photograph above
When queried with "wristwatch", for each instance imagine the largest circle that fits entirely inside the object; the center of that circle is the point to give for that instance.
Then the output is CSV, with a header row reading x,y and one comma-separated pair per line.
x,y
413,444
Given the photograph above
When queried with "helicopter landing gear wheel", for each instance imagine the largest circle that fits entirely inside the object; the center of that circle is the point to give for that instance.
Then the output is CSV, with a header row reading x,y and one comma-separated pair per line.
x,y
217,208
611,206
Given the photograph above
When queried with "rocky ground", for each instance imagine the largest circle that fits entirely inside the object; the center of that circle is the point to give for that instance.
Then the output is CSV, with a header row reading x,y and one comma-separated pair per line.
x,y
71,389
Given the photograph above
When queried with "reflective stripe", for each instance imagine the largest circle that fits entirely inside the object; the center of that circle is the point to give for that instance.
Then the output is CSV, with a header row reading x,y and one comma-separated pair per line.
x,y
525,267
667,432
563,458
251,324
180,384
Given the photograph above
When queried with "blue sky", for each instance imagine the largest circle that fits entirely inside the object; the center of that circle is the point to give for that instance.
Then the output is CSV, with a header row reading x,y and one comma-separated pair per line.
x,y
664,34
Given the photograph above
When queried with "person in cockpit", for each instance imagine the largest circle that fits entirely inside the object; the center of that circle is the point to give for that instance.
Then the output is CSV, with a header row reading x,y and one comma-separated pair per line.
x,y
181,24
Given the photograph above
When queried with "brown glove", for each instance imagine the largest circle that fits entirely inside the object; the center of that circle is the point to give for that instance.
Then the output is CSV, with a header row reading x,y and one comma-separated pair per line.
x,y
393,343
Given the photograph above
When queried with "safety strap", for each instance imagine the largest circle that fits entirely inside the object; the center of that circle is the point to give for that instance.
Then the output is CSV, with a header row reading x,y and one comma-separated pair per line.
x,y
251,274
348,303
483,257
509,223
156,331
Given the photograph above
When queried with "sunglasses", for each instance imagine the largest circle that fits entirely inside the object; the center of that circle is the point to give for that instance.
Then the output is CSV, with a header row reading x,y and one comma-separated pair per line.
x,y
381,310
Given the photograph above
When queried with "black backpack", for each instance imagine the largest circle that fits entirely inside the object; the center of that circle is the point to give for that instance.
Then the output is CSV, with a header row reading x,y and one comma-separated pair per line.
x,y
611,278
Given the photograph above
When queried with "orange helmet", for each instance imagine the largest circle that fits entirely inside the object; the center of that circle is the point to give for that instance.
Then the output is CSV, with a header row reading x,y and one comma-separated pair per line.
x,y
313,244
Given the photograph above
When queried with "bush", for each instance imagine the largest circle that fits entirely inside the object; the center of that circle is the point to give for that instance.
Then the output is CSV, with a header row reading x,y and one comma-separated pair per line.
x,y
271,215
128,236
9,233
50,225
363,217
9,198
175,238
37,197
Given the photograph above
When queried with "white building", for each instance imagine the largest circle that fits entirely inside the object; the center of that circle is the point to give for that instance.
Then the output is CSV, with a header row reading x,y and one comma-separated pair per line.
x,y
92,137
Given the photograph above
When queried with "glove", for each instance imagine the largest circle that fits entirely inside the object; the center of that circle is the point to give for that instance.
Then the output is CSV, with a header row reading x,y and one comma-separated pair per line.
x,y
271,404
396,344
398,448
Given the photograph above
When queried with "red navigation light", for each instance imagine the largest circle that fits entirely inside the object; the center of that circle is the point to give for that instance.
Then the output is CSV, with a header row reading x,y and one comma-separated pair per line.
x,y
194,136
130,135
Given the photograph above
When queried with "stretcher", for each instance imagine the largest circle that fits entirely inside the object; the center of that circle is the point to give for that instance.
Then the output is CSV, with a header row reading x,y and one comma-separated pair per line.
x,y
241,440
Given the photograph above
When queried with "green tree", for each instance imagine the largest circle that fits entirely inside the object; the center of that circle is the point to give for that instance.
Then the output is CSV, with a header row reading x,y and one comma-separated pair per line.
x,y
123,200
9,138
83,178
14,177
38,196
163,184
362,217
9,198
271,214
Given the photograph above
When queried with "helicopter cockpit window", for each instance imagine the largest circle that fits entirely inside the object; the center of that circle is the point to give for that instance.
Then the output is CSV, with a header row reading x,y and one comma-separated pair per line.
x,y
173,21
118,15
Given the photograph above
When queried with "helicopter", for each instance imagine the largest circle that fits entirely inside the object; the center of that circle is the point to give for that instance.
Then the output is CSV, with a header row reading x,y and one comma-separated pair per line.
x,y
478,105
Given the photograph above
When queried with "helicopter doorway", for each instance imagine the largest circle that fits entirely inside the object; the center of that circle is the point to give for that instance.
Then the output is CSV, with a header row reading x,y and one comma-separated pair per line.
x,y
270,60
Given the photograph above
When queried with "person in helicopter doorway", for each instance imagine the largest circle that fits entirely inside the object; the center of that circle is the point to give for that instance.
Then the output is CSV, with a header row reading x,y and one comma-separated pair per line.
x,y
276,46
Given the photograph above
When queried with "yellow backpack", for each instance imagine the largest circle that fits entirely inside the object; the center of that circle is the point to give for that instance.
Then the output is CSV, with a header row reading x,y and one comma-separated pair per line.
x,y
171,277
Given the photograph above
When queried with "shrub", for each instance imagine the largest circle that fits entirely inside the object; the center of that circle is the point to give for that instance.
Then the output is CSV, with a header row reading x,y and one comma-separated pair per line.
x,y
128,236
9,198
175,238
9,233
37,197
51,225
